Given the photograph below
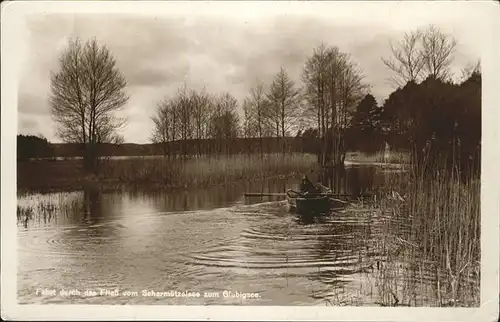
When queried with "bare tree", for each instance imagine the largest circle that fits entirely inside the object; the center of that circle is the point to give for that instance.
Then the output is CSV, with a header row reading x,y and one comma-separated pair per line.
x,y
201,110
185,107
420,54
183,117
249,128
333,86
164,125
86,93
284,99
438,51
258,114
202,105
224,122
407,60
469,70
315,79
195,115
260,104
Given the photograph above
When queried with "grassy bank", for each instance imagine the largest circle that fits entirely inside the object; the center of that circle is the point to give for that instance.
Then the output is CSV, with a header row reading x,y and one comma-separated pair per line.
x,y
436,242
161,172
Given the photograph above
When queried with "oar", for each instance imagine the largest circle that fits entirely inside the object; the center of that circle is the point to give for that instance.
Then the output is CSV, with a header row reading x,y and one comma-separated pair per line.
x,y
277,194
264,194
340,201
271,194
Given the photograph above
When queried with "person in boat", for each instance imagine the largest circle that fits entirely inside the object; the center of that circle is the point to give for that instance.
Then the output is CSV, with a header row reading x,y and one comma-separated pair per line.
x,y
307,187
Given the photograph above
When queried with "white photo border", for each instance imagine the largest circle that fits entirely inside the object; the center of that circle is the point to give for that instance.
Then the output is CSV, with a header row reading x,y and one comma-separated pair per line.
x,y
485,13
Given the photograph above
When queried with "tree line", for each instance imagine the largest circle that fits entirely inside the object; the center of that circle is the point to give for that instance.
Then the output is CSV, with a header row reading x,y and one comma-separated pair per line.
x,y
430,114
332,85
189,148
331,104
193,115
32,146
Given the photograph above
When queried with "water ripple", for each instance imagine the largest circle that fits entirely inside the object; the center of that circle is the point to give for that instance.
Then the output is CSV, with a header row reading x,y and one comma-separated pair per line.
x,y
257,247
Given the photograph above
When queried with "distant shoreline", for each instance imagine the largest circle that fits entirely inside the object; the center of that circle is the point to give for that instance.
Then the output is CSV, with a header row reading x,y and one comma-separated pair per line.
x,y
155,172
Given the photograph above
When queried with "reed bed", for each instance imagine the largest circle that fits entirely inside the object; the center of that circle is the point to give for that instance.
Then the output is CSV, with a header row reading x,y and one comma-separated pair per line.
x,y
206,171
160,172
431,247
44,208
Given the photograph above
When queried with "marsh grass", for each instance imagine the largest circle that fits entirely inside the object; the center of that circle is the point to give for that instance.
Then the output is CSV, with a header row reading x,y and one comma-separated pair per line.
x,y
432,246
206,171
160,172
43,209
427,250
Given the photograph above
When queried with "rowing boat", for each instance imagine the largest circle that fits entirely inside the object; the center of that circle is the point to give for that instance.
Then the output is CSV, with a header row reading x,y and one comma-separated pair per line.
x,y
321,202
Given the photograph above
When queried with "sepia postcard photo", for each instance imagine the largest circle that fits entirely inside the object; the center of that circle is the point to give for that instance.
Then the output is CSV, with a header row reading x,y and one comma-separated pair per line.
x,y
250,160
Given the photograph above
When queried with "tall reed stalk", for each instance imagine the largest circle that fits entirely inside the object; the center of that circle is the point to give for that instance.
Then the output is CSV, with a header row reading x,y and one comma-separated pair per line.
x,y
436,241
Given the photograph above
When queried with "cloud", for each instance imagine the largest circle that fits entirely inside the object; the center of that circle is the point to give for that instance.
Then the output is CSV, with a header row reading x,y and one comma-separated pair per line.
x,y
148,76
222,54
33,104
33,124
28,125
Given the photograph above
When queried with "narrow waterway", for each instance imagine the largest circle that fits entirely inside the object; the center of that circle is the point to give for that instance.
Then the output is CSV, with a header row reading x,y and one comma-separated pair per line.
x,y
210,246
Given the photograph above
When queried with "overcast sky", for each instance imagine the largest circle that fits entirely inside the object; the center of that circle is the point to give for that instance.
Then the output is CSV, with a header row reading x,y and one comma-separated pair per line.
x,y
225,51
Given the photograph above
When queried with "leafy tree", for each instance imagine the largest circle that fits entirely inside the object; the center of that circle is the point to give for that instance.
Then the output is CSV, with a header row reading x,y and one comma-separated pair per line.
x,y
468,127
440,122
365,132
310,133
364,118
31,146
472,69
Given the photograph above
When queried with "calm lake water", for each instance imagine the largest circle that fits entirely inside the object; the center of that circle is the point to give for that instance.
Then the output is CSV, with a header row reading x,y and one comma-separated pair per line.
x,y
211,240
